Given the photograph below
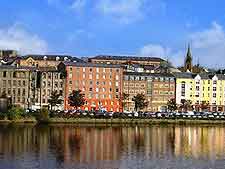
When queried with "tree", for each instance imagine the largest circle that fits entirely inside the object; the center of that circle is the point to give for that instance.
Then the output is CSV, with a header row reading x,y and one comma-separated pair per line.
x,y
54,99
124,99
204,105
171,105
76,99
139,101
186,105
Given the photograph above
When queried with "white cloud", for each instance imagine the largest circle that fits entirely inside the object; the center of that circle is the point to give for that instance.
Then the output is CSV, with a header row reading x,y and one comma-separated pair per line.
x,y
209,45
124,11
154,50
77,5
17,38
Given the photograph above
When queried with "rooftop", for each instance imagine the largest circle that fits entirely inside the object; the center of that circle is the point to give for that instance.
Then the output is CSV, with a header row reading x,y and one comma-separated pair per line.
x,y
79,64
202,75
149,74
137,58
53,57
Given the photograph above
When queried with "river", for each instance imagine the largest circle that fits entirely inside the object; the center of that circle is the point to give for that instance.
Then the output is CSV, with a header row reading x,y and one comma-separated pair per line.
x,y
83,147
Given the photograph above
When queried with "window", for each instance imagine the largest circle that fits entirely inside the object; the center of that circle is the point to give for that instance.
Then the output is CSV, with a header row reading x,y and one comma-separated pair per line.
x,y
117,84
117,90
90,69
103,89
214,89
97,69
183,89
14,83
4,74
90,89
97,90
214,82
214,95
103,76
14,74
97,76
197,88
117,77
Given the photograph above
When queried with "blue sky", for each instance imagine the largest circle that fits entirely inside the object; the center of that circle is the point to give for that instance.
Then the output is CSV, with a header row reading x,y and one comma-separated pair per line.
x,y
119,27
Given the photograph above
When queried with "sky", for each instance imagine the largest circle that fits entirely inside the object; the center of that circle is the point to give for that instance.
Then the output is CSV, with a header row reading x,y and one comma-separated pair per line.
x,y
159,28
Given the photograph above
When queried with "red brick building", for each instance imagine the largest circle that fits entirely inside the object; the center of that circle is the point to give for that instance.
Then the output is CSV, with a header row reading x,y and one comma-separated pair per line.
x,y
100,83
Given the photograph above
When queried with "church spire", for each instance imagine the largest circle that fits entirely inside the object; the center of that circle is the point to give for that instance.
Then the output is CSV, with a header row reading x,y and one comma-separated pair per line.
x,y
188,60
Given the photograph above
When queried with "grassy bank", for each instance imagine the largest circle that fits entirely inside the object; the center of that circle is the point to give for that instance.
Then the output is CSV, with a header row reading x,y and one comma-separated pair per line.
x,y
25,120
90,121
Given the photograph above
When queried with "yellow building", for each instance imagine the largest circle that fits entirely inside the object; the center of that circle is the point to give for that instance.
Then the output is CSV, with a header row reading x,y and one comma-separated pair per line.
x,y
201,88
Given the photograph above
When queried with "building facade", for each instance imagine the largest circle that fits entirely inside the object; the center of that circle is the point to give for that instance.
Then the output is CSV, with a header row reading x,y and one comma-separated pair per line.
x,y
157,88
100,83
29,87
47,81
105,59
201,88
16,84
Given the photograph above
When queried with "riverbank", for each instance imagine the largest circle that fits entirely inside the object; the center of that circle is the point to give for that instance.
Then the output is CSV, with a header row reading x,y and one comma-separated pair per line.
x,y
132,121
91,121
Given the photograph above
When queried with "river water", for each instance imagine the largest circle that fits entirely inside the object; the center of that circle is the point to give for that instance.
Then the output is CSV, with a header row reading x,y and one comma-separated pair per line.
x,y
151,147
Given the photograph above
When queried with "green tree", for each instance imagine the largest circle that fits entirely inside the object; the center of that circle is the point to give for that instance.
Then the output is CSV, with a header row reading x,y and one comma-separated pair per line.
x,y
171,105
186,105
139,102
76,99
43,115
54,99
15,113
124,99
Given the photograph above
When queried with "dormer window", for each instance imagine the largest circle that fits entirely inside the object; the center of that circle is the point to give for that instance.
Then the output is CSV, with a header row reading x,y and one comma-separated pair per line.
x,y
65,58
57,58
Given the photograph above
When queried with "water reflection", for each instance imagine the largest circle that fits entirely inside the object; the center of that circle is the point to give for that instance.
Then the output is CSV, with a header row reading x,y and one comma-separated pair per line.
x,y
116,147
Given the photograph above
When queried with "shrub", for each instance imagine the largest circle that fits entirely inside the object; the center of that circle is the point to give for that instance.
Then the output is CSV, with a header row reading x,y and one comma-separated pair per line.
x,y
3,116
43,115
15,113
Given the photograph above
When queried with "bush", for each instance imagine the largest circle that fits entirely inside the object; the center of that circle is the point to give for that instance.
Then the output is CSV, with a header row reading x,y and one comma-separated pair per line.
x,y
43,115
3,116
15,113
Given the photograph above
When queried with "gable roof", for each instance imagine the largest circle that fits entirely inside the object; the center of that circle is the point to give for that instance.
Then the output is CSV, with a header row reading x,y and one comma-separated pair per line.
x,y
202,75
